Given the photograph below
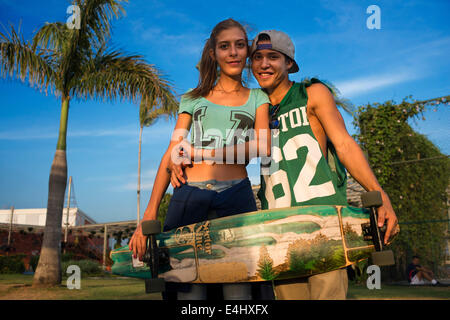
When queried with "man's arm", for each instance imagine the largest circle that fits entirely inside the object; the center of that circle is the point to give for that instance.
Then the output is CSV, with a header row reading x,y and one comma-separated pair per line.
x,y
350,154
425,269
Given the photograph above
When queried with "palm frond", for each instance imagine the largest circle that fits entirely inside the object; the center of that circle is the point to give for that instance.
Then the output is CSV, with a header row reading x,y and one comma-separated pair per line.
x,y
166,101
96,16
76,62
52,36
148,116
73,48
112,75
153,107
20,59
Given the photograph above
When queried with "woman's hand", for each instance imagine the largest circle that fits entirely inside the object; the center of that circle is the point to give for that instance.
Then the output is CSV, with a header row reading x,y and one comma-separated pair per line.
x,y
180,159
176,172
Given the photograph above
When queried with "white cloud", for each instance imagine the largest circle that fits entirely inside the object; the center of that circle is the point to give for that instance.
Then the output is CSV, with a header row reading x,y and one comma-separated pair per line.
x,y
357,86
422,60
26,135
189,40
51,133
105,132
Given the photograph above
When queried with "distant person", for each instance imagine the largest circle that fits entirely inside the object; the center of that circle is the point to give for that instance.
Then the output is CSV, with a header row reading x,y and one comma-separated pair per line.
x,y
417,274
221,111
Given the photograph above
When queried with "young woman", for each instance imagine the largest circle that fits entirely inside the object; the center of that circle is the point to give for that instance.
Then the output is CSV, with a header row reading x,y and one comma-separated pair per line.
x,y
222,112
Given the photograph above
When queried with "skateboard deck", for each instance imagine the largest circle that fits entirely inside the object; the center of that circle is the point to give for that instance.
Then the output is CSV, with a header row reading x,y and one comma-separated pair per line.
x,y
262,245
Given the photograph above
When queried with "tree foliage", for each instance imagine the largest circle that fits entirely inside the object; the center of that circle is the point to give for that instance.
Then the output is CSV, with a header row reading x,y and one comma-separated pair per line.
x,y
78,63
413,172
163,207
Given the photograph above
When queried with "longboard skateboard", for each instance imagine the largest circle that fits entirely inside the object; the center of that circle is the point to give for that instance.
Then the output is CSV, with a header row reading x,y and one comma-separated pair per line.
x,y
257,246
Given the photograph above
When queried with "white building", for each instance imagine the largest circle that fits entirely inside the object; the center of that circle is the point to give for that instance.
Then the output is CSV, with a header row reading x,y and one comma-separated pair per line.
x,y
36,217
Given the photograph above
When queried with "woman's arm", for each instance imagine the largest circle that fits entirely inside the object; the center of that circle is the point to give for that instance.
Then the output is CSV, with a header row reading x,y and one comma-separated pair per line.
x,y
241,153
137,242
258,147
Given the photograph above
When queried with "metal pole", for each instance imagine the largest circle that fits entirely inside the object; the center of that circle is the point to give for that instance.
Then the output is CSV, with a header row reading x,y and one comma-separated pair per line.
x,y
10,226
68,207
139,181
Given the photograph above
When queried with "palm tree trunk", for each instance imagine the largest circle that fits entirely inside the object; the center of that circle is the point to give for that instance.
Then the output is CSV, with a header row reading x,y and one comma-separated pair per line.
x,y
139,179
48,271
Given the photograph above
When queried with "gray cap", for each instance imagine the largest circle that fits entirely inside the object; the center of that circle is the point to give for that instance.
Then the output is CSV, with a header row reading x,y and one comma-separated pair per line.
x,y
279,41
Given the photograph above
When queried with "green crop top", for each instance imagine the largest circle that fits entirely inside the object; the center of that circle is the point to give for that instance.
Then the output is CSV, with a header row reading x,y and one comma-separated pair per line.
x,y
216,126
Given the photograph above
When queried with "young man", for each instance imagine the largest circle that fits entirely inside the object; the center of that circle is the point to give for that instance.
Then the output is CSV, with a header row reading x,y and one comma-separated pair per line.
x,y
417,274
309,134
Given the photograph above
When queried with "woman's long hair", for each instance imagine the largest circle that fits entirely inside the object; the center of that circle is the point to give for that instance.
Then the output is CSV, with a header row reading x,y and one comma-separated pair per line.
x,y
208,66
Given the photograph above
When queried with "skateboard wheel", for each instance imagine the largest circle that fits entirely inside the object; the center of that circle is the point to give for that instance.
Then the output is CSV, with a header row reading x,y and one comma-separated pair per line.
x,y
155,285
383,258
150,227
371,199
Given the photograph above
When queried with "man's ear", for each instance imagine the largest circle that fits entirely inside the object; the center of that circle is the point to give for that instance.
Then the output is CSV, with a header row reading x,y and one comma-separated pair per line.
x,y
289,63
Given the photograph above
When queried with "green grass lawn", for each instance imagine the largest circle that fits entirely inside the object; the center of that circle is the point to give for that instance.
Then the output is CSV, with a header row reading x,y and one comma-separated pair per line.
x,y
391,292
18,287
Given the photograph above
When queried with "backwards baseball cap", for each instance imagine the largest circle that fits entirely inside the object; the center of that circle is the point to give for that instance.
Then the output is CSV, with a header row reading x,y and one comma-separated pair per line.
x,y
279,41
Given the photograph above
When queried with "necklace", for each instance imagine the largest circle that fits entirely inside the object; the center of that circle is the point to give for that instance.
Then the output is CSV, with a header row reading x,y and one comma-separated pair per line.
x,y
224,91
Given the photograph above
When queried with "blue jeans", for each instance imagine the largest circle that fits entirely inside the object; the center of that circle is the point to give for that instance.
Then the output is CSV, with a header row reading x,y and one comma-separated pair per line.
x,y
199,201
195,203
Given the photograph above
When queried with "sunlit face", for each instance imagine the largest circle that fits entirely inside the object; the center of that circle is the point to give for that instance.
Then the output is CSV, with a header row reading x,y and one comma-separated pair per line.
x,y
270,67
231,51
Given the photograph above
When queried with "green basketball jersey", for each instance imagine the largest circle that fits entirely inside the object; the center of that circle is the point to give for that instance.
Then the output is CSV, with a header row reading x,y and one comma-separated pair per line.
x,y
298,173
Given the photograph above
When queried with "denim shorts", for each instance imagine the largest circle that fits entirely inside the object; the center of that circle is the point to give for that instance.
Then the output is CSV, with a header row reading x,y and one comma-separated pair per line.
x,y
214,185
199,201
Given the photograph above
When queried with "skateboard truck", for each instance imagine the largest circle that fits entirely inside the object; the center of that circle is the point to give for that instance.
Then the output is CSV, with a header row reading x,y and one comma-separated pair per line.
x,y
372,232
150,228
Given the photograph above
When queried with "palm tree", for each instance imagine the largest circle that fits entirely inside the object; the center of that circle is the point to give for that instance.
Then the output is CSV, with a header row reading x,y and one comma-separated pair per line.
x,y
75,64
148,113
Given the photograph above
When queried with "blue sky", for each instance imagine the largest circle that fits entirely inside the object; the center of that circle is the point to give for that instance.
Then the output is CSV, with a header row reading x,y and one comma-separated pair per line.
x,y
407,56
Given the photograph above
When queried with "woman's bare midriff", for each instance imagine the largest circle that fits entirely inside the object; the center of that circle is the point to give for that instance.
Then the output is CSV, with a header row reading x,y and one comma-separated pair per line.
x,y
220,172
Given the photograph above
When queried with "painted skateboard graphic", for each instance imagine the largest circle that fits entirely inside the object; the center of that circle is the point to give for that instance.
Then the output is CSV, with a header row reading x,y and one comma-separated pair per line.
x,y
257,246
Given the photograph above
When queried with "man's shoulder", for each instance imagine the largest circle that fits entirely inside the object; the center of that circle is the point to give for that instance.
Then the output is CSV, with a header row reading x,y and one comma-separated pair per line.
x,y
317,89
319,97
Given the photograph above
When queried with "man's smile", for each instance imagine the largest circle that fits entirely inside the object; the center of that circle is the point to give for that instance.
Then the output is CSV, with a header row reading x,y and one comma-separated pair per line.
x,y
265,74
